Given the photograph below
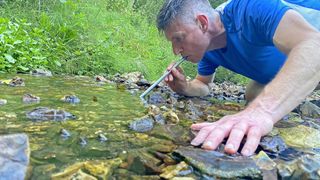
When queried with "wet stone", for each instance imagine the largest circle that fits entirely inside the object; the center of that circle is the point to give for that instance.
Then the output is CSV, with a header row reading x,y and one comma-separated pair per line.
x,y
29,98
143,82
14,156
46,114
156,98
83,141
143,124
73,99
41,72
306,167
3,102
100,79
273,144
16,81
159,119
310,110
217,164
65,133
102,138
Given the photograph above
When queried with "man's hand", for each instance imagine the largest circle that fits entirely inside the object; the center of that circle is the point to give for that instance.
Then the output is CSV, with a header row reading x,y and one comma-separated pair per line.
x,y
248,122
176,80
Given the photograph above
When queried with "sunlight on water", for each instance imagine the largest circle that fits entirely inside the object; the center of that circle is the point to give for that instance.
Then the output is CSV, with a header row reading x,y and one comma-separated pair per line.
x,y
102,110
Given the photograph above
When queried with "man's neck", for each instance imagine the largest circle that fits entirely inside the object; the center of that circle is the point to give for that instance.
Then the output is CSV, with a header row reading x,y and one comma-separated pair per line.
x,y
218,38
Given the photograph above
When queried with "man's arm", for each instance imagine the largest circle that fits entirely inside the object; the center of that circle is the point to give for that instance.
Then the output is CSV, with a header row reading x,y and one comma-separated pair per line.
x,y
297,78
198,86
301,72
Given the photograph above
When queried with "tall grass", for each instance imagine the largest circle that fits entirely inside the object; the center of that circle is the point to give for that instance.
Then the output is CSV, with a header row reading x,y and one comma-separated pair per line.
x,y
84,37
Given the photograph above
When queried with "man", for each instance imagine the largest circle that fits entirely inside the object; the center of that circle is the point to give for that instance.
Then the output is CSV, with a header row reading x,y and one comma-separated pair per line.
x,y
267,41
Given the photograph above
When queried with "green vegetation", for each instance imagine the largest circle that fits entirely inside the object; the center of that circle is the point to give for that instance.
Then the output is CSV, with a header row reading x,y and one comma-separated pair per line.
x,y
85,37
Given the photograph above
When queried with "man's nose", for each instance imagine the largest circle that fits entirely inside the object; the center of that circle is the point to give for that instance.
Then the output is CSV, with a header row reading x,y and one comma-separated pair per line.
x,y
177,49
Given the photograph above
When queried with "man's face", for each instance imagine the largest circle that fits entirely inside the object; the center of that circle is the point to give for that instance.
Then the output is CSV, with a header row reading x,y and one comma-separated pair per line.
x,y
187,40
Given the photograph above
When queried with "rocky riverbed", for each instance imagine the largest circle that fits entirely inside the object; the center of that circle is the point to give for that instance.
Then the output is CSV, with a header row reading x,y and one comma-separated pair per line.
x,y
131,140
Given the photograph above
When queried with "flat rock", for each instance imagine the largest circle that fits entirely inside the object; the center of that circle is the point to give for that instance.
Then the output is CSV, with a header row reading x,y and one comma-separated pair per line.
x,y
217,164
14,156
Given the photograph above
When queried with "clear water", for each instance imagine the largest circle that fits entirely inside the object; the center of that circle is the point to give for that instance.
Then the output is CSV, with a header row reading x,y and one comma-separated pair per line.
x,y
102,109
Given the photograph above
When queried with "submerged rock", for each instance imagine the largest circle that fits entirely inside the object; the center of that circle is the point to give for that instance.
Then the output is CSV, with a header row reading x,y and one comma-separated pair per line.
x,y
29,98
14,156
102,138
3,102
143,124
41,72
172,171
156,98
301,136
305,167
65,133
218,164
46,114
90,169
73,99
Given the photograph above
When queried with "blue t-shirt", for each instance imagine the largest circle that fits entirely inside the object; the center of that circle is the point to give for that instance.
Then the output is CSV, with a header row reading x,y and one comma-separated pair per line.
x,y
250,26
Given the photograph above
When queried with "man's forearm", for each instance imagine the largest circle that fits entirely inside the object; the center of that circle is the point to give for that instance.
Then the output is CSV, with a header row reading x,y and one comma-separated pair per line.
x,y
298,77
195,88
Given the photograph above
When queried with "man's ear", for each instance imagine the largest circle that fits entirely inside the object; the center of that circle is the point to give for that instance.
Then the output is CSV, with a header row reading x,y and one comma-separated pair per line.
x,y
203,22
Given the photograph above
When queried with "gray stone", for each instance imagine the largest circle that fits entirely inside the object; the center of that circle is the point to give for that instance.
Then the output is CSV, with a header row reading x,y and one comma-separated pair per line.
x,y
46,114
310,110
216,164
143,124
3,102
14,156
41,72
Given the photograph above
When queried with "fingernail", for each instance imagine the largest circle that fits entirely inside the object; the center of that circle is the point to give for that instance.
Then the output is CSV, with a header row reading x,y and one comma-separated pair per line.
x,y
195,143
246,152
208,144
230,146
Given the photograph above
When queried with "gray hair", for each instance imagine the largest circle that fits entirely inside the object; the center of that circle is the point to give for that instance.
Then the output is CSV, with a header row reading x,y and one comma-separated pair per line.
x,y
184,10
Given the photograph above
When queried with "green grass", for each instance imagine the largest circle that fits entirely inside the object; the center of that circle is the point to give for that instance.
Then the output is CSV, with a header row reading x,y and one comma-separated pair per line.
x,y
85,37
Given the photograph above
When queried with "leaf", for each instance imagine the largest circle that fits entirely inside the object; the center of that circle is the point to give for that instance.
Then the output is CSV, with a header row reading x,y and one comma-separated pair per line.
x,y
23,68
57,63
63,1
9,58
17,42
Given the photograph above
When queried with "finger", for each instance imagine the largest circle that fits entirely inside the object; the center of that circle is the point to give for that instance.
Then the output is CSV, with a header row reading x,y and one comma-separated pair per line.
x,y
180,69
235,137
253,139
198,126
216,136
177,74
202,135
170,66
170,77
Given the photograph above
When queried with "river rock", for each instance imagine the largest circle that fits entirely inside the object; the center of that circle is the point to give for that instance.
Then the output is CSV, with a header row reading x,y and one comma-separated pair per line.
x,y
3,102
73,99
14,156
220,165
41,72
46,114
16,81
305,167
143,124
310,110
29,98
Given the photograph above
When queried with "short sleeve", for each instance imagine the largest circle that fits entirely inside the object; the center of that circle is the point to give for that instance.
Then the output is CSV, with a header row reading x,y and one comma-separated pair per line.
x,y
264,17
206,66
